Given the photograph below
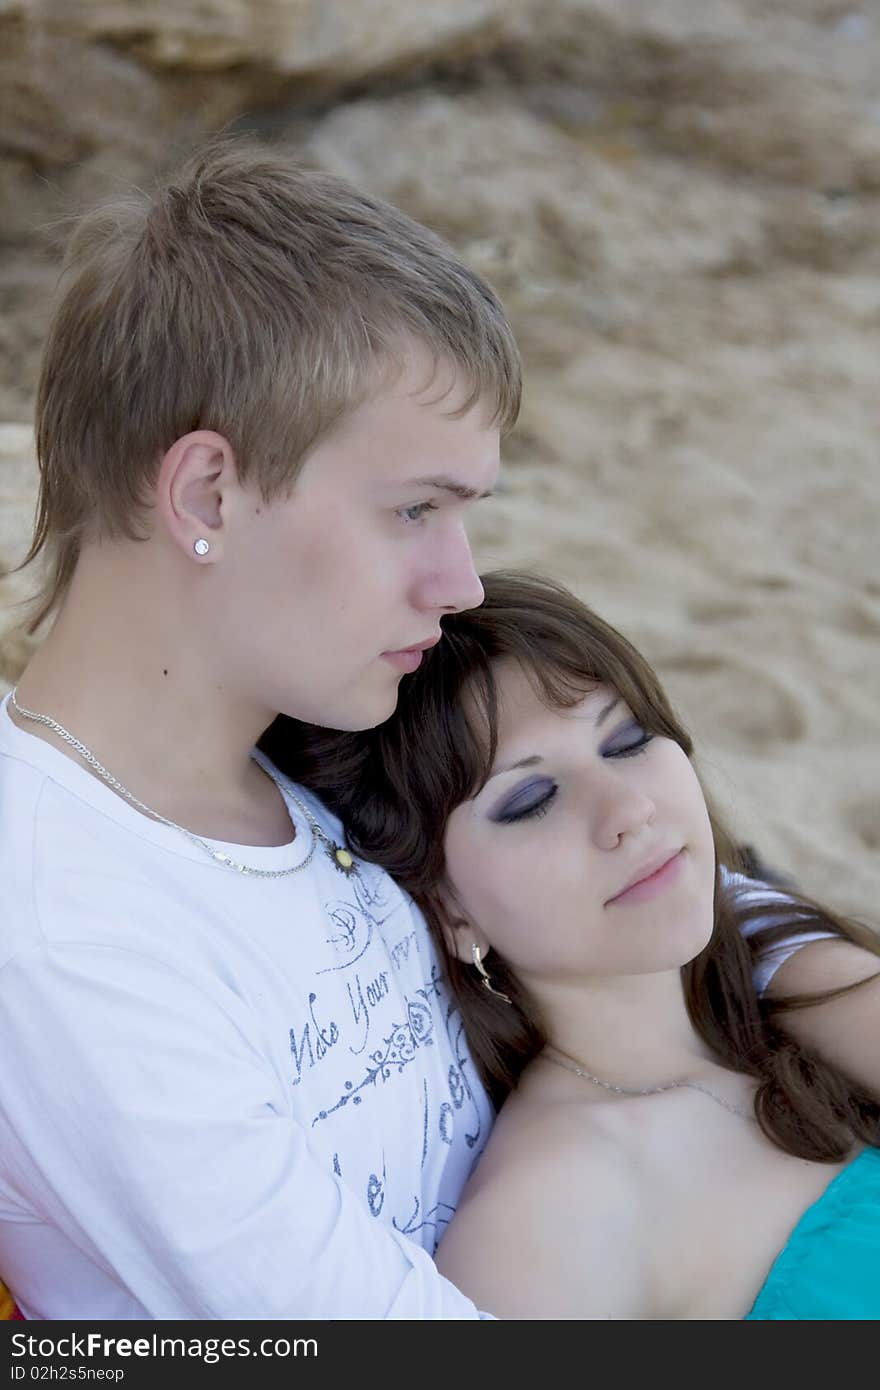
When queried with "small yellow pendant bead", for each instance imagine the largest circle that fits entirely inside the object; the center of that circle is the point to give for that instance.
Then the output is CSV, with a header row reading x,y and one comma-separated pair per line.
x,y
344,859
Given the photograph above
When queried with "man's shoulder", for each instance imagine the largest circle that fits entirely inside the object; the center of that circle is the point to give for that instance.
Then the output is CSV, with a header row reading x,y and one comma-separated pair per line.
x,y
42,821
19,779
63,869
21,791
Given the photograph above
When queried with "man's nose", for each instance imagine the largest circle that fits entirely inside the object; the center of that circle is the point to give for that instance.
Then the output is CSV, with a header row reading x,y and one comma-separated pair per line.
x,y
451,583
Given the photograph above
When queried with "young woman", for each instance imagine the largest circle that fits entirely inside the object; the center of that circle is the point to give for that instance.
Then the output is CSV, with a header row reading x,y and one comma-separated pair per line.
x,y
671,1144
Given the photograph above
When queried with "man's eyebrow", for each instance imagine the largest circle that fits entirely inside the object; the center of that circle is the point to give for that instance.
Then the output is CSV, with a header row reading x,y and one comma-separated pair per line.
x,y
535,757
445,484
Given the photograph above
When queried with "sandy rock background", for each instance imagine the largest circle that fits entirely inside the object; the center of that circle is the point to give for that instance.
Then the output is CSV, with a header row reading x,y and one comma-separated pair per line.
x,y
680,204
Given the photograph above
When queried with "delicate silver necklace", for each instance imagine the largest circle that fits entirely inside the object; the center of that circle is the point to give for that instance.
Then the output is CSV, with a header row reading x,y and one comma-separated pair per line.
x,y
342,858
562,1060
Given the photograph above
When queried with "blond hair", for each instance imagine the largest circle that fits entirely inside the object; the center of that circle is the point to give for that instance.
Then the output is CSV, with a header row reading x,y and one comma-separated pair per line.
x,y
248,295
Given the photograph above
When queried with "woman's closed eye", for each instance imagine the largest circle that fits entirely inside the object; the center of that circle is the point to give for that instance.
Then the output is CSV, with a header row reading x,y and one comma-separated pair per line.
x,y
626,741
533,799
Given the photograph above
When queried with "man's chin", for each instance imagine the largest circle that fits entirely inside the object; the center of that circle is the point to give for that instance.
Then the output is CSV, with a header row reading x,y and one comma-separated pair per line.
x,y
369,715
364,724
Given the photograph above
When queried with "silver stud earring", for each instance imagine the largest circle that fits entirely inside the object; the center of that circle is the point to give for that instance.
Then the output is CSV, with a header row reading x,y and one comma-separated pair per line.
x,y
201,546
484,975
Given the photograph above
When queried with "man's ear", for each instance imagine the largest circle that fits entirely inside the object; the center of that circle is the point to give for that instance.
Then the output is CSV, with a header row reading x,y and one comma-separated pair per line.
x,y
195,476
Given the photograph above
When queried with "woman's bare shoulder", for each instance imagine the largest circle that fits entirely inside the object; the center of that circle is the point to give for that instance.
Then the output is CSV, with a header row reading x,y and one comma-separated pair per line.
x,y
535,1137
555,1194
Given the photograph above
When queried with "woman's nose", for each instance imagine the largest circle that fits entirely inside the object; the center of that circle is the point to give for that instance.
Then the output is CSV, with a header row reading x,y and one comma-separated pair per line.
x,y
622,810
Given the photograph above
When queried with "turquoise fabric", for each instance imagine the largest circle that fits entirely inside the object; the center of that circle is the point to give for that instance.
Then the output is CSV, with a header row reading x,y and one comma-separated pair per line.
x,y
829,1269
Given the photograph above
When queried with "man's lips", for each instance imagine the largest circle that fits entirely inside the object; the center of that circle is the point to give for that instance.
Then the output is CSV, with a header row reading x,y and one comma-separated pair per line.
x,y
409,659
651,877
416,647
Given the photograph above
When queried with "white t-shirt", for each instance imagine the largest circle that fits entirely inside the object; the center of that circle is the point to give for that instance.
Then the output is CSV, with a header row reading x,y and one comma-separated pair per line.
x,y
220,1096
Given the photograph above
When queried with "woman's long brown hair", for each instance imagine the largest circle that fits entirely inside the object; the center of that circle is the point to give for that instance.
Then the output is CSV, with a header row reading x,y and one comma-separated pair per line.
x,y
394,787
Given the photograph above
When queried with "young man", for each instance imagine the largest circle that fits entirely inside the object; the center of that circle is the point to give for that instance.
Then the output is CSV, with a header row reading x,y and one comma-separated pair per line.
x,y
233,1085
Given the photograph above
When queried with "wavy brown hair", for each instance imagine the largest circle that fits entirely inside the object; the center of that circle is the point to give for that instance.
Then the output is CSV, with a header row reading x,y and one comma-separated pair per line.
x,y
395,786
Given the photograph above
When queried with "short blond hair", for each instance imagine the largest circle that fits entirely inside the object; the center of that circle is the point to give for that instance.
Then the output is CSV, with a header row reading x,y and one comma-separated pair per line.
x,y
247,295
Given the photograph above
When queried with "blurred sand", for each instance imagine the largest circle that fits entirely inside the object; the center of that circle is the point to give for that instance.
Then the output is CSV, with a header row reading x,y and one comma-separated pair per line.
x,y
699,304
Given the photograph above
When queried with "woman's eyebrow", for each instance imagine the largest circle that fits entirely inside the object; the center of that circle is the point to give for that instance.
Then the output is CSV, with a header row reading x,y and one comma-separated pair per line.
x,y
536,758
607,710
512,767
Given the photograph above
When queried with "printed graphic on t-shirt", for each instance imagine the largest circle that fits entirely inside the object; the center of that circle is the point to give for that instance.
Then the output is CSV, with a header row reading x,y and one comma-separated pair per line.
x,y
389,1016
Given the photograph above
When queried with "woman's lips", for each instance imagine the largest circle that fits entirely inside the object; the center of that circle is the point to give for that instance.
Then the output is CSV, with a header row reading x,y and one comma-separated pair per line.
x,y
653,884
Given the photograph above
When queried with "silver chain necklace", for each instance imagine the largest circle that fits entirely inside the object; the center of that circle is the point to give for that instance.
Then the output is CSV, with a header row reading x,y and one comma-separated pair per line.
x,y
341,857
562,1060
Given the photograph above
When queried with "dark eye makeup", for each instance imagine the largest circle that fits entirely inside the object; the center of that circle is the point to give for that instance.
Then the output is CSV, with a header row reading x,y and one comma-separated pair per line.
x,y
534,798
531,799
624,742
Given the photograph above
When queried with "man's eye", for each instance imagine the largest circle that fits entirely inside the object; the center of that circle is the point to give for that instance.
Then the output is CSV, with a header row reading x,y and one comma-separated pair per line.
x,y
412,515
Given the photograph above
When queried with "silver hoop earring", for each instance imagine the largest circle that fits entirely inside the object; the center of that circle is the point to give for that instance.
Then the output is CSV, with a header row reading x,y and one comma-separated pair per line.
x,y
201,546
484,975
